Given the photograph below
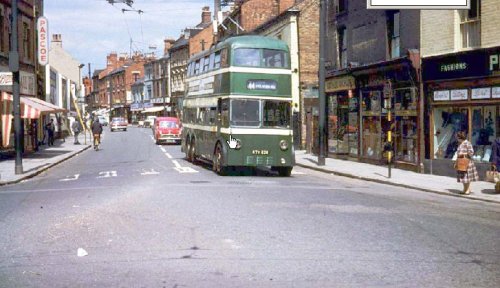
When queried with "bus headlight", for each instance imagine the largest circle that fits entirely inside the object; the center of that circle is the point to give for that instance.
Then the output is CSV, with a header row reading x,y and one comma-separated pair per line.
x,y
283,145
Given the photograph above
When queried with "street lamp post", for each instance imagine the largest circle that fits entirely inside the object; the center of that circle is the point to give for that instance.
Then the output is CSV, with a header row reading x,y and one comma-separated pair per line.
x,y
163,68
14,67
321,75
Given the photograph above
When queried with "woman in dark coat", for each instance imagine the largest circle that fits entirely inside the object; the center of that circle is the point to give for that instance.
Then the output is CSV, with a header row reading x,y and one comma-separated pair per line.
x,y
465,150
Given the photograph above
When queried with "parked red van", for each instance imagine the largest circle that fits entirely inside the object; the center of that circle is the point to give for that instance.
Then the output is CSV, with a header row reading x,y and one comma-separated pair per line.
x,y
167,130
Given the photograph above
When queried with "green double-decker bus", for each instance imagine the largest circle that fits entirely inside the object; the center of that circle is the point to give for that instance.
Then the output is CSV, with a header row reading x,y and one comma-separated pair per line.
x,y
237,107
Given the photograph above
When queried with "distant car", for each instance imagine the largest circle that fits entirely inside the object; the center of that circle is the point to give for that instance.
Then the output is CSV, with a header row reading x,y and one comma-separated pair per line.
x,y
167,130
118,123
149,121
103,120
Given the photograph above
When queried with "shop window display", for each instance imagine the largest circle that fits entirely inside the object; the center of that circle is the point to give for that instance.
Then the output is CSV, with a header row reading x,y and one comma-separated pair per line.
x,y
405,134
338,124
371,112
485,122
448,122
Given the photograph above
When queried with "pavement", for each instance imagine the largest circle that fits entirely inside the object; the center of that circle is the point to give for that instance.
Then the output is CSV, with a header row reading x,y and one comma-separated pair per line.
x,y
481,190
34,163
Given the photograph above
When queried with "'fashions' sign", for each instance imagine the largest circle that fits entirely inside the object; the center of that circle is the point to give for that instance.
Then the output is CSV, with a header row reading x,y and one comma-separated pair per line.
x,y
475,63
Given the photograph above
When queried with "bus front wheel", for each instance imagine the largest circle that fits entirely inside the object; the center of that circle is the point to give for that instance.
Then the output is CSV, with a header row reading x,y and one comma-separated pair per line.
x,y
217,161
283,171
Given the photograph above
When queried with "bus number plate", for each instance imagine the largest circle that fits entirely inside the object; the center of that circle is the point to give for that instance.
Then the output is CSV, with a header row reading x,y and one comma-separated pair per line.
x,y
260,152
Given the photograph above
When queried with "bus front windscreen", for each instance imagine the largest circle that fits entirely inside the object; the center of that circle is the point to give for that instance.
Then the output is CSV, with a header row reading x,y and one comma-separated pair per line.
x,y
245,112
276,114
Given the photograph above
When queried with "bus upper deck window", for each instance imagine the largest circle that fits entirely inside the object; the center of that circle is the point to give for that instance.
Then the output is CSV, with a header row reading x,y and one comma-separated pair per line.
x,y
274,58
247,57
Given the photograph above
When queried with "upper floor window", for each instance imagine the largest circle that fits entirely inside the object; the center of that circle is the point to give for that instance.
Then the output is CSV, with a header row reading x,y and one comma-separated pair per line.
x,y
27,41
470,25
206,64
340,6
2,30
342,47
393,34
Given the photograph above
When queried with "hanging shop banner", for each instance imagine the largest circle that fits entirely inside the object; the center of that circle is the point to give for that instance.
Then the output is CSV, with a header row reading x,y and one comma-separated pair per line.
x,y
443,95
476,63
459,94
481,93
43,40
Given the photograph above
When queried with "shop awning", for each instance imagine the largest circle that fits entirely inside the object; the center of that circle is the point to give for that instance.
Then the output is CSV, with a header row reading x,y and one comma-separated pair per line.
x,y
31,108
153,109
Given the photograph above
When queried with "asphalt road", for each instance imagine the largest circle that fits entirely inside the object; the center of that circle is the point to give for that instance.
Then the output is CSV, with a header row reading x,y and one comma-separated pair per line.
x,y
148,218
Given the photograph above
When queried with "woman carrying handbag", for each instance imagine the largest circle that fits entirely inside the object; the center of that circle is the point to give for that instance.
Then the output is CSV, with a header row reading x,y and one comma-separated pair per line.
x,y
466,170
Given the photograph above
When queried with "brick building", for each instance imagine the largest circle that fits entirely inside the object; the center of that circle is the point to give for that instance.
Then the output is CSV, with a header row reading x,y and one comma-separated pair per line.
x,y
32,75
461,82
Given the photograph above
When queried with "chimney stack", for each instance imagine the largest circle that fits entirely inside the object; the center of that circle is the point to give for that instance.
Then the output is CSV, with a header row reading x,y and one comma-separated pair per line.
x,y
168,44
57,40
206,15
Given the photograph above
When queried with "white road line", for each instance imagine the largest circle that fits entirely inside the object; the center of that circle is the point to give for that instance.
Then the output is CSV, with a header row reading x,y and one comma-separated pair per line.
x,y
168,155
107,174
71,178
298,173
150,172
163,149
176,163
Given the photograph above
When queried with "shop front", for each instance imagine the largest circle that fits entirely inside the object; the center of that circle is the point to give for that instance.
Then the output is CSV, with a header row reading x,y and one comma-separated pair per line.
x,y
463,94
343,117
388,102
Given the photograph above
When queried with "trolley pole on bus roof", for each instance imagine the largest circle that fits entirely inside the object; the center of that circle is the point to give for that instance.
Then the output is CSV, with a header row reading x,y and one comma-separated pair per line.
x,y
14,67
321,76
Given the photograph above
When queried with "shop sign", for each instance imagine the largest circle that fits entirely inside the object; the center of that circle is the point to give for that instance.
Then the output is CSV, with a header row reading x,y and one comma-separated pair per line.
x,y
43,40
340,84
459,94
27,83
481,93
443,95
5,78
476,63
495,92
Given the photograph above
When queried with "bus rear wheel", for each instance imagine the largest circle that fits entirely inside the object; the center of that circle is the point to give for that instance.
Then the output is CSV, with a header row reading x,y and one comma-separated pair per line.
x,y
217,161
191,151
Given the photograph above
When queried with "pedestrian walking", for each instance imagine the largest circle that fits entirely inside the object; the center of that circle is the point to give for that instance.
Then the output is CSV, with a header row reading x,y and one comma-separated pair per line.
x,y
50,128
77,128
466,151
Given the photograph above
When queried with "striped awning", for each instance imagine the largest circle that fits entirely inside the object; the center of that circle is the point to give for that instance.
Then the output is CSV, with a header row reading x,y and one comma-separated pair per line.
x,y
31,108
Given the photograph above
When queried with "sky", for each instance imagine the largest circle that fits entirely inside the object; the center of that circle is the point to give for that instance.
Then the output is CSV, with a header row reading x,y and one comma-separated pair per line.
x,y
91,29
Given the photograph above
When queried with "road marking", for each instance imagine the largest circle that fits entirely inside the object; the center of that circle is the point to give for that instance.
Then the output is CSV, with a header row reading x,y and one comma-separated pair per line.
x,y
181,169
185,170
107,174
151,172
176,163
168,155
152,138
298,173
71,178
163,150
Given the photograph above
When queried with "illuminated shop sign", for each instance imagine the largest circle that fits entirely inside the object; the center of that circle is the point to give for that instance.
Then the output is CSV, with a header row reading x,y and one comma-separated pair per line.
x,y
476,63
